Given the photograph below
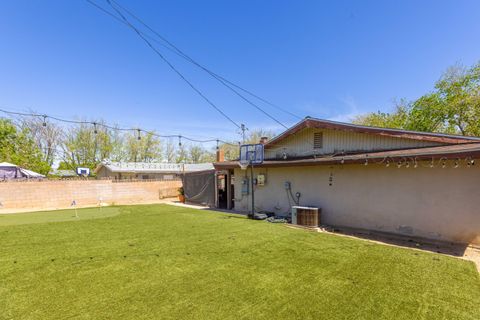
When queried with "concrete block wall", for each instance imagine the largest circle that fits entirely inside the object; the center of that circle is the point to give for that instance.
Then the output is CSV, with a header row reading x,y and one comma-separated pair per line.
x,y
50,194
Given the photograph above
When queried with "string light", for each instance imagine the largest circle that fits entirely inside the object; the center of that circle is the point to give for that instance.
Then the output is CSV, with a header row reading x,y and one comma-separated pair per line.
x,y
444,162
415,163
455,164
366,160
179,141
470,162
45,116
95,128
139,137
387,163
399,164
217,145
431,163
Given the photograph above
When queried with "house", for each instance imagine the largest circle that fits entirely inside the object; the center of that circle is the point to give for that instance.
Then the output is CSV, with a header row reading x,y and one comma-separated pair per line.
x,y
390,180
63,174
146,171
9,171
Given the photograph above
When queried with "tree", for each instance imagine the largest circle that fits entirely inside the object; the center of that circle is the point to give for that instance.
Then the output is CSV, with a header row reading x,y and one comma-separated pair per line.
x,y
18,147
195,153
198,154
86,145
46,134
232,149
170,152
453,107
145,149
181,154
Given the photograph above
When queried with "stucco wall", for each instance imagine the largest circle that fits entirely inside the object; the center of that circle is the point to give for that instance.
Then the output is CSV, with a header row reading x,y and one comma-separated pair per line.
x,y
437,203
41,195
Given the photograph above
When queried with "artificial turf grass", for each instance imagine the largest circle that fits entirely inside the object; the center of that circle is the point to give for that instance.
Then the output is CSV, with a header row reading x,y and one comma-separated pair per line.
x,y
57,215
159,261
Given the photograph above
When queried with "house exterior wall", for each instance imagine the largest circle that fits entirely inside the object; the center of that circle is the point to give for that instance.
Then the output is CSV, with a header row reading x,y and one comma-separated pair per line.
x,y
334,141
436,203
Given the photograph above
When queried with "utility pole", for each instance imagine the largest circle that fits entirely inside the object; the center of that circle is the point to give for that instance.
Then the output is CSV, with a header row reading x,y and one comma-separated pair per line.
x,y
252,191
243,128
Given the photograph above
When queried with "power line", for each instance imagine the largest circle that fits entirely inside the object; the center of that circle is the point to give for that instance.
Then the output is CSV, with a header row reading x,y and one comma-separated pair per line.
x,y
219,78
228,84
191,60
172,66
115,128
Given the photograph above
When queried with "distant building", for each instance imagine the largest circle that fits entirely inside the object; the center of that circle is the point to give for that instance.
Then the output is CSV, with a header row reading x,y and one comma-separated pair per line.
x,y
146,171
64,174
9,171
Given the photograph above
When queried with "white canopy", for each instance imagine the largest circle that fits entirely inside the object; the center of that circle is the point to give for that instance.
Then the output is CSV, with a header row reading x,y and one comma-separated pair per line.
x,y
12,171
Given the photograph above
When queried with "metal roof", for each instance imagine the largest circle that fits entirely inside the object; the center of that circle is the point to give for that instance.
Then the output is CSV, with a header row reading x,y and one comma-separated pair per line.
x,y
144,167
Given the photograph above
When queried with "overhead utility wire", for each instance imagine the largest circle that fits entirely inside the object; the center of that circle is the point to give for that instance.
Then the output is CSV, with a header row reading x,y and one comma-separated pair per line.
x,y
100,124
225,82
172,66
221,79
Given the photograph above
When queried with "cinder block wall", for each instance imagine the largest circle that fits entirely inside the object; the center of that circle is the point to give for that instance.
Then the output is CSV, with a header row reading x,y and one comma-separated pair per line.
x,y
41,195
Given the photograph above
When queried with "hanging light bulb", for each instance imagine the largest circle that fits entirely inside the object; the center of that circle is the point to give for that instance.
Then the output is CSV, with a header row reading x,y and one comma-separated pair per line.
x,y
44,121
217,145
415,163
431,164
342,161
95,128
470,162
455,164
139,136
366,160
399,164
179,141
444,163
387,164
407,164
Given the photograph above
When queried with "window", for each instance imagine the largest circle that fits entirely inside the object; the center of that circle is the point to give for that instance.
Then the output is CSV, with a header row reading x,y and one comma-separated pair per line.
x,y
318,140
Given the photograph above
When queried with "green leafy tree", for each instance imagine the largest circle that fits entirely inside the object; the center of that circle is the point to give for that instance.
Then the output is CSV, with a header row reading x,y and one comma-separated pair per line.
x,y
17,146
86,145
232,149
453,107
145,149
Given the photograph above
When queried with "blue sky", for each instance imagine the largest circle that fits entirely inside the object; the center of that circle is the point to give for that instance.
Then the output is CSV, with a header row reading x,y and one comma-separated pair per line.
x,y
326,59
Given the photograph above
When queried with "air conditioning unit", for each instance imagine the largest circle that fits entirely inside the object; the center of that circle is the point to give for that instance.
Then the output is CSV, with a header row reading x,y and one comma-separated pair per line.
x,y
306,216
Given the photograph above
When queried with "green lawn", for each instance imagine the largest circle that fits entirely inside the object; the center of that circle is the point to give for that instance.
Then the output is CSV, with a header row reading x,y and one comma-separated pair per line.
x,y
166,262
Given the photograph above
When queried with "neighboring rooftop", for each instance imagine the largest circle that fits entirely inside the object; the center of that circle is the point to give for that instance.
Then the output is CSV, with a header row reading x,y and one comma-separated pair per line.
x,y
154,167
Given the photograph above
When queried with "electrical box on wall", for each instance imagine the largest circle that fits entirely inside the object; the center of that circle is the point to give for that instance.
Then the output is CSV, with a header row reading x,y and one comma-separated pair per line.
x,y
261,180
245,185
